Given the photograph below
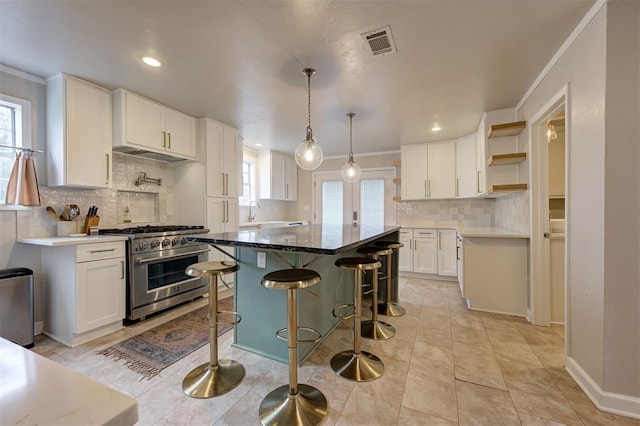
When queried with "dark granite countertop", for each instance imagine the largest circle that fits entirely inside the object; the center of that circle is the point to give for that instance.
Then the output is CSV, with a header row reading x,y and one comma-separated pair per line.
x,y
319,239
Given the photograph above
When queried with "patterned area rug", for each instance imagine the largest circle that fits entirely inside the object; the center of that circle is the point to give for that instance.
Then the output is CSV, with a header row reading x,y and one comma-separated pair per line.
x,y
152,351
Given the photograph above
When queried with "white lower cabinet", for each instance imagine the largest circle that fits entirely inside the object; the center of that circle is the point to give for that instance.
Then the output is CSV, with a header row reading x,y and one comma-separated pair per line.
x,y
428,251
447,259
84,291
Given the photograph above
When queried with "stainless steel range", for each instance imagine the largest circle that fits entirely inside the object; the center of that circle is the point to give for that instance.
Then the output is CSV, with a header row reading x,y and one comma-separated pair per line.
x,y
157,257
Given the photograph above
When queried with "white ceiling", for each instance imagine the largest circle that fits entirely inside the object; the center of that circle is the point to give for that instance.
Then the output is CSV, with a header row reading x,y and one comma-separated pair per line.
x,y
241,62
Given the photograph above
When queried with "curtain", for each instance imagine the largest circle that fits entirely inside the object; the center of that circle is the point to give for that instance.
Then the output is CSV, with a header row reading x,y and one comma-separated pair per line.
x,y
23,182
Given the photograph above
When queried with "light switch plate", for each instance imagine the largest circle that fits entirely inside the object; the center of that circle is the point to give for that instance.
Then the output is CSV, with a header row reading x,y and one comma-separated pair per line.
x,y
262,259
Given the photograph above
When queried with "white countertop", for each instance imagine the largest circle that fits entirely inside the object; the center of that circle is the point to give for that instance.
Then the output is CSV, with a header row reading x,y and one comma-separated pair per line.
x,y
70,241
36,390
471,231
489,232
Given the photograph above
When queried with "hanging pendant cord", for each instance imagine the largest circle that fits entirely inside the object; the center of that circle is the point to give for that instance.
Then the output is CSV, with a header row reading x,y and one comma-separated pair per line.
x,y
309,100
351,134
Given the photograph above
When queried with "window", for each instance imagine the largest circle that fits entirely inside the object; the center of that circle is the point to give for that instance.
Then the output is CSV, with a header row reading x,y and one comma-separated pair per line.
x,y
15,130
248,182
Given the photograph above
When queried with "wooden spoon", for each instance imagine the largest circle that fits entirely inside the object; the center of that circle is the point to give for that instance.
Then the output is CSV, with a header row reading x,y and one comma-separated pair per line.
x,y
51,212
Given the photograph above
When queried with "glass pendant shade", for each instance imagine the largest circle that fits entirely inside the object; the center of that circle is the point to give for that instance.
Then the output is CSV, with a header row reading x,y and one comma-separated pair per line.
x,y
551,132
308,154
351,171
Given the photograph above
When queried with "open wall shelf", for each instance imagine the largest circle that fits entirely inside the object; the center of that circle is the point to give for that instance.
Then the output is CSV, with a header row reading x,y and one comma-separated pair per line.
x,y
511,158
506,129
514,187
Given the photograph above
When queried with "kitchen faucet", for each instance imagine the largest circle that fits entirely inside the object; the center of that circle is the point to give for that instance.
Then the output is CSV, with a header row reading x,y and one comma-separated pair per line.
x,y
253,217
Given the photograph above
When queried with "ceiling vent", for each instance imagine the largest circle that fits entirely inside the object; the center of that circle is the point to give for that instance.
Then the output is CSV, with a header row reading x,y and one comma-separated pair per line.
x,y
380,41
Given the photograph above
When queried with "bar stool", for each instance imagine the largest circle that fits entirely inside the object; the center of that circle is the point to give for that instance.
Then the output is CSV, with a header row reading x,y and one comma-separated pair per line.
x,y
357,365
293,404
389,307
373,328
216,377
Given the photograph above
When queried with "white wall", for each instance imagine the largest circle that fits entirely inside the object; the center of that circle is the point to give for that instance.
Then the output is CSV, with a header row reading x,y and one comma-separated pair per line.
x,y
622,201
601,68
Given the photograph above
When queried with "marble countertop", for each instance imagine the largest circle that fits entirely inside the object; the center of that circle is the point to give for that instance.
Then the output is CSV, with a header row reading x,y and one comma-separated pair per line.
x,y
319,239
70,241
36,390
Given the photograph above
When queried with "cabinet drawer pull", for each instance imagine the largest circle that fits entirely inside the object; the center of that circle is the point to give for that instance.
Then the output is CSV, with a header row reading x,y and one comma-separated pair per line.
x,y
122,266
102,251
457,185
169,140
478,182
425,189
108,173
164,139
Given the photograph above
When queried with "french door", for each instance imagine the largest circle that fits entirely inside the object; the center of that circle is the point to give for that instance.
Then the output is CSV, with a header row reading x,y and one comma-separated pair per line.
x,y
368,202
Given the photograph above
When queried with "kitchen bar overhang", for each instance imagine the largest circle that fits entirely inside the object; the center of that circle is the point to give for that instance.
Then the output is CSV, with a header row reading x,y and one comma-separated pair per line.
x,y
314,247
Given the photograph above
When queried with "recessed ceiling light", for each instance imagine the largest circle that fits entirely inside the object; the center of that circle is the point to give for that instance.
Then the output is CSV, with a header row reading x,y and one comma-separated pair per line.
x,y
258,145
436,128
151,61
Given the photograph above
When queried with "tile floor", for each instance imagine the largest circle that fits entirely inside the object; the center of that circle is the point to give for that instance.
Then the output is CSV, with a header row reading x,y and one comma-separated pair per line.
x,y
446,365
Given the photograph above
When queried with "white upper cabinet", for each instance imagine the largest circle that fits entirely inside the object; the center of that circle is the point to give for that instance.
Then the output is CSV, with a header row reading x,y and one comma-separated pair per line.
x,y
78,133
278,176
142,123
466,176
413,172
223,158
441,170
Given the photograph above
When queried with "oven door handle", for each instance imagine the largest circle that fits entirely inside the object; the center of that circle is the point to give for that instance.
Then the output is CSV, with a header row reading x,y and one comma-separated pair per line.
x,y
177,256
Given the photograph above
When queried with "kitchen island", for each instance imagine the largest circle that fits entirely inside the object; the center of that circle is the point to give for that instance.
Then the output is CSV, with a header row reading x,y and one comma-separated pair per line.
x,y
314,247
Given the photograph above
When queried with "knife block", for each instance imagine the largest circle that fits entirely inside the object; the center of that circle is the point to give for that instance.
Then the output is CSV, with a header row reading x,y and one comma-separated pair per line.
x,y
90,221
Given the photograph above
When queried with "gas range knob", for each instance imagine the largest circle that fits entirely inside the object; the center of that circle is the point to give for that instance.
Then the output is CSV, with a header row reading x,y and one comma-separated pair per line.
x,y
175,242
183,240
166,243
143,245
155,243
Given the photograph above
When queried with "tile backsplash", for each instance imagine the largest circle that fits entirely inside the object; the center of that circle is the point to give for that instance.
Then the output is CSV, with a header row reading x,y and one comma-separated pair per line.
x,y
454,213
148,203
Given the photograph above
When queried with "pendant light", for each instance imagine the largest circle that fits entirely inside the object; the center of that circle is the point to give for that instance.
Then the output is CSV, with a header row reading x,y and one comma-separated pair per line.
x,y
308,153
351,171
551,132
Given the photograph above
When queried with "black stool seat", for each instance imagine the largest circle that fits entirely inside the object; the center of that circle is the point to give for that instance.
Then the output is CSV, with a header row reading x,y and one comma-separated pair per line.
x,y
389,244
358,263
290,279
374,251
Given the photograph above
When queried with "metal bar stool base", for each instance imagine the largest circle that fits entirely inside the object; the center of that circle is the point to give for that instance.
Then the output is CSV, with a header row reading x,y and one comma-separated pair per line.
x,y
362,367
391,309
307,407
377,330
206,381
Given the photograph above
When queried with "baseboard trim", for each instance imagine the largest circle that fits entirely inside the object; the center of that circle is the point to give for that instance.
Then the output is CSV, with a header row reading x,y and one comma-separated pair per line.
x,y
408,274
609,402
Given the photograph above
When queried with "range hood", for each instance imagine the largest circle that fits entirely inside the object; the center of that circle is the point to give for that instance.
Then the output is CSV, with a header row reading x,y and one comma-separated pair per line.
x,y
129,150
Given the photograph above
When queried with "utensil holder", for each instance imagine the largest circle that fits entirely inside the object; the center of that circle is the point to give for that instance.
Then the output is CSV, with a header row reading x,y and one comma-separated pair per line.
x,y
66,227
90,221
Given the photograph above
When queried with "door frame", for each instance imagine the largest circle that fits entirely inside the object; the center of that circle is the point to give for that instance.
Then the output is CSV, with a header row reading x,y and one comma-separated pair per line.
x,y
391,219
540,289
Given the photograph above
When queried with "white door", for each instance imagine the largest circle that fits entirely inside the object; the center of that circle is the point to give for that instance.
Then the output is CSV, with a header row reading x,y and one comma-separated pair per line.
x,y
441,170
145,123
414,172
368,202
181,133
